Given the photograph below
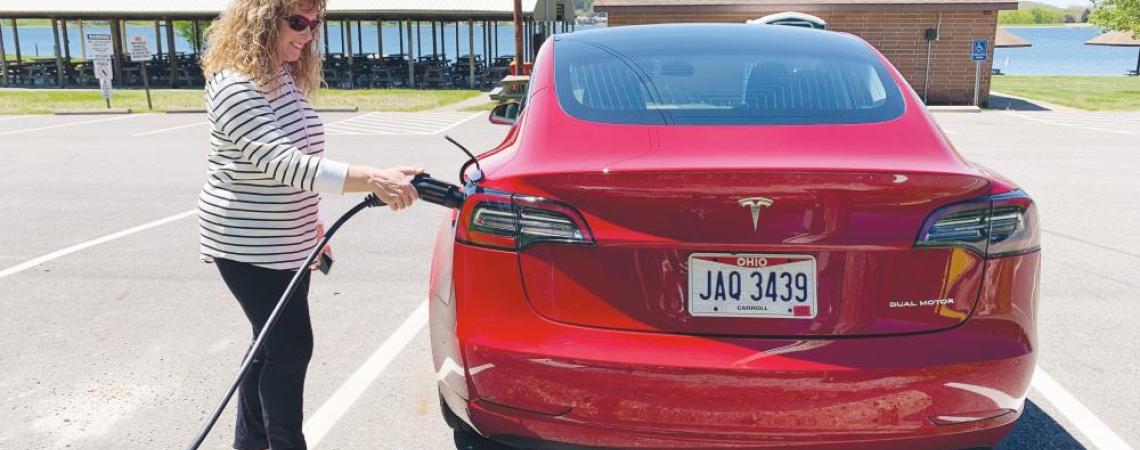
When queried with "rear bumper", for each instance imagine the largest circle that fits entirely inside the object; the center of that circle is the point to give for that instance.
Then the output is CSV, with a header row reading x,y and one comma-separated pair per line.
x,y
533,381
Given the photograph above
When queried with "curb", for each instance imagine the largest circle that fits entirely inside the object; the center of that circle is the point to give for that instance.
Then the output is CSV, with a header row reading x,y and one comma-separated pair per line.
x,y
330,109
954,109
186,111
94,112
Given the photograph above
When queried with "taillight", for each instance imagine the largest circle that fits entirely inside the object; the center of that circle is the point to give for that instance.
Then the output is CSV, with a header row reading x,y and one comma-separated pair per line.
x,y
994,226
512,221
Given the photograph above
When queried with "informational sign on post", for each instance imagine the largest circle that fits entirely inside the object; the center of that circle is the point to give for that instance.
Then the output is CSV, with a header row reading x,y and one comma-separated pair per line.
x,y
979,52
141,54
101,49
99,45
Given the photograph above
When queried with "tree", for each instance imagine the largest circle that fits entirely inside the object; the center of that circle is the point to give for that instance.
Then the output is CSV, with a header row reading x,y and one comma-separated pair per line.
x,y
185,30
1119,15
1085,16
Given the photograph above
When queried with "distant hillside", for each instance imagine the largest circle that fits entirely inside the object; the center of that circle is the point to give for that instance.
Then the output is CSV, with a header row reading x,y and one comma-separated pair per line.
x,y
1034,13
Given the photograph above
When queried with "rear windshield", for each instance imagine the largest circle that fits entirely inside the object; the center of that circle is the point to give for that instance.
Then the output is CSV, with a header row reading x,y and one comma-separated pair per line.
x,y
729,84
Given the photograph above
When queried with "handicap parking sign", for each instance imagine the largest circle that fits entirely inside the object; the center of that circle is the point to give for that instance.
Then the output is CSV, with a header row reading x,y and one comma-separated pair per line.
x,y
979,53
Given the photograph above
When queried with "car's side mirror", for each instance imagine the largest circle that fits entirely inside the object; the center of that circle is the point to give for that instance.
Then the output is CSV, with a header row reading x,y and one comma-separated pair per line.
x,y
504,114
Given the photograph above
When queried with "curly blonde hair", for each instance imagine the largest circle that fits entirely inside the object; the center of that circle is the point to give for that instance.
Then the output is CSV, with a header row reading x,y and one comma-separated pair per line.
x,y
244,40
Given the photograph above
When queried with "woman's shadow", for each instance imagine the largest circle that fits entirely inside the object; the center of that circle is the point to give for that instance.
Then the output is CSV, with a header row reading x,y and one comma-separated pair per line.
x,y
1034,431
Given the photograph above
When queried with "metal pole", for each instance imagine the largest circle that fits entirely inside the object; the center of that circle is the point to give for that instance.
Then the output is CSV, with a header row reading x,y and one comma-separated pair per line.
x,y
379,38
411,58
434,47
977,80
19,57
494,40
146,84
400,34
59,75
470,52
1138,64
443,40
173,53
457,48
359,37
419,41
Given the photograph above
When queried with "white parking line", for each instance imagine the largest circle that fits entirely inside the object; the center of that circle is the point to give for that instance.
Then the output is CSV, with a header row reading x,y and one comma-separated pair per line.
x,y
1087,423
148,133
1064,124
91,243
331,411
460,122
49,127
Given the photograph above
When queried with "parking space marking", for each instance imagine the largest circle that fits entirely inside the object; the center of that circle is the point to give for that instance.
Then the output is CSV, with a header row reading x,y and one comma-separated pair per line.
x,y
163,130
386,123
50,127
1087,423
75,248
1084,121
348,393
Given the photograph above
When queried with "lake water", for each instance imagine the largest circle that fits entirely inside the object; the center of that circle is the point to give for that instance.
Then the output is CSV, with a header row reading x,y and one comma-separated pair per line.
x,y
1055,50
1062,51
38,41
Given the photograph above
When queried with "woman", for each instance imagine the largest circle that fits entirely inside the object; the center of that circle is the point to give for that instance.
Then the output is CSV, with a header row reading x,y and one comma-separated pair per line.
x,y
258,208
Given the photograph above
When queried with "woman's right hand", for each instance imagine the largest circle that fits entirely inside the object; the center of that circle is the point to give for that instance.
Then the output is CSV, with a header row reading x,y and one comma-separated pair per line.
x,y
394,186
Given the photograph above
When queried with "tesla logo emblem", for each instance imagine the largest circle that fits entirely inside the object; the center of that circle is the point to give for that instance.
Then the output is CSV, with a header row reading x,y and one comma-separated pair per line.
x,y
755,203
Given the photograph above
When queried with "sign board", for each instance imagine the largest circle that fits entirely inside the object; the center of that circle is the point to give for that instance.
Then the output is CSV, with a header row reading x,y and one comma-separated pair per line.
x,y
979,50
138,49
103,69
100,45
105,87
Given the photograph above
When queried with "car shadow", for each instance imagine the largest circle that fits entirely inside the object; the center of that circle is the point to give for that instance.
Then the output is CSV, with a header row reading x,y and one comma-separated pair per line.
x,y
1013,104
1037,430
1034,431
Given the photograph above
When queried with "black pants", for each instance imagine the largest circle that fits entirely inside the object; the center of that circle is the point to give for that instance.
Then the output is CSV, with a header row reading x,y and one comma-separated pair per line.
x,y
271,394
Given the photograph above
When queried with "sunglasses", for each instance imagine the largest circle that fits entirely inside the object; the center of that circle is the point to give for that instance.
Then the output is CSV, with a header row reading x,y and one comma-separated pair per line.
x,y
301,23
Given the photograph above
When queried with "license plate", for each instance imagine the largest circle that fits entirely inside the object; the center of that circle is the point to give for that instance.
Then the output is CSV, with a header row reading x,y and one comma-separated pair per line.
x,y
752,285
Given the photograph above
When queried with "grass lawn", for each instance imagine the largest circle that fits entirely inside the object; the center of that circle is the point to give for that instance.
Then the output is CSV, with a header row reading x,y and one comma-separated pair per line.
x,y
1088,93
484,107
45,101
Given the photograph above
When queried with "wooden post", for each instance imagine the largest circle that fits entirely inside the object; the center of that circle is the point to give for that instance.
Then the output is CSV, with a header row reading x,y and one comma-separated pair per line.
x,y
197,38
325,24
158,39
470,53
3,62
117,48
66,42
347,28
59,74
518,37
411,58
173,53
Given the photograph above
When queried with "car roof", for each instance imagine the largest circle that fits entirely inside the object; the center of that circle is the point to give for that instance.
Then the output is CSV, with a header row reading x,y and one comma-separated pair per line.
x,y
725,36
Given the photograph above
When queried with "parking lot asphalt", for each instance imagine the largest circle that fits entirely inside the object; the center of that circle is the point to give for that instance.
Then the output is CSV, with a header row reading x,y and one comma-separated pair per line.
x,y
119,338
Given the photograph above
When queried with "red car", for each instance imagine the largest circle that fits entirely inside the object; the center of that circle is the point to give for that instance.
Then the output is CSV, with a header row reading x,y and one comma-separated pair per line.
x,y
732,236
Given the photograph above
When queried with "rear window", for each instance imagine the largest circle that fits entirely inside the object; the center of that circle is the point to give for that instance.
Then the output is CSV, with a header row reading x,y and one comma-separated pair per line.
x,y
706,81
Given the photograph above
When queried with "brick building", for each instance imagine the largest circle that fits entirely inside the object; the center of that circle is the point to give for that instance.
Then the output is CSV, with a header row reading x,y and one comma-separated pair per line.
x,y
898,28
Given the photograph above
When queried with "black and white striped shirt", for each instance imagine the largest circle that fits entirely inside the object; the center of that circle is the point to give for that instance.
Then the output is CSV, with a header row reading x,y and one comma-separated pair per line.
x,y
264,172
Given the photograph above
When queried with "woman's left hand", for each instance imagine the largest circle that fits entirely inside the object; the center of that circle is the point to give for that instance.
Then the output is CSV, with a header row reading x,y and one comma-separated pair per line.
x,y
326,251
